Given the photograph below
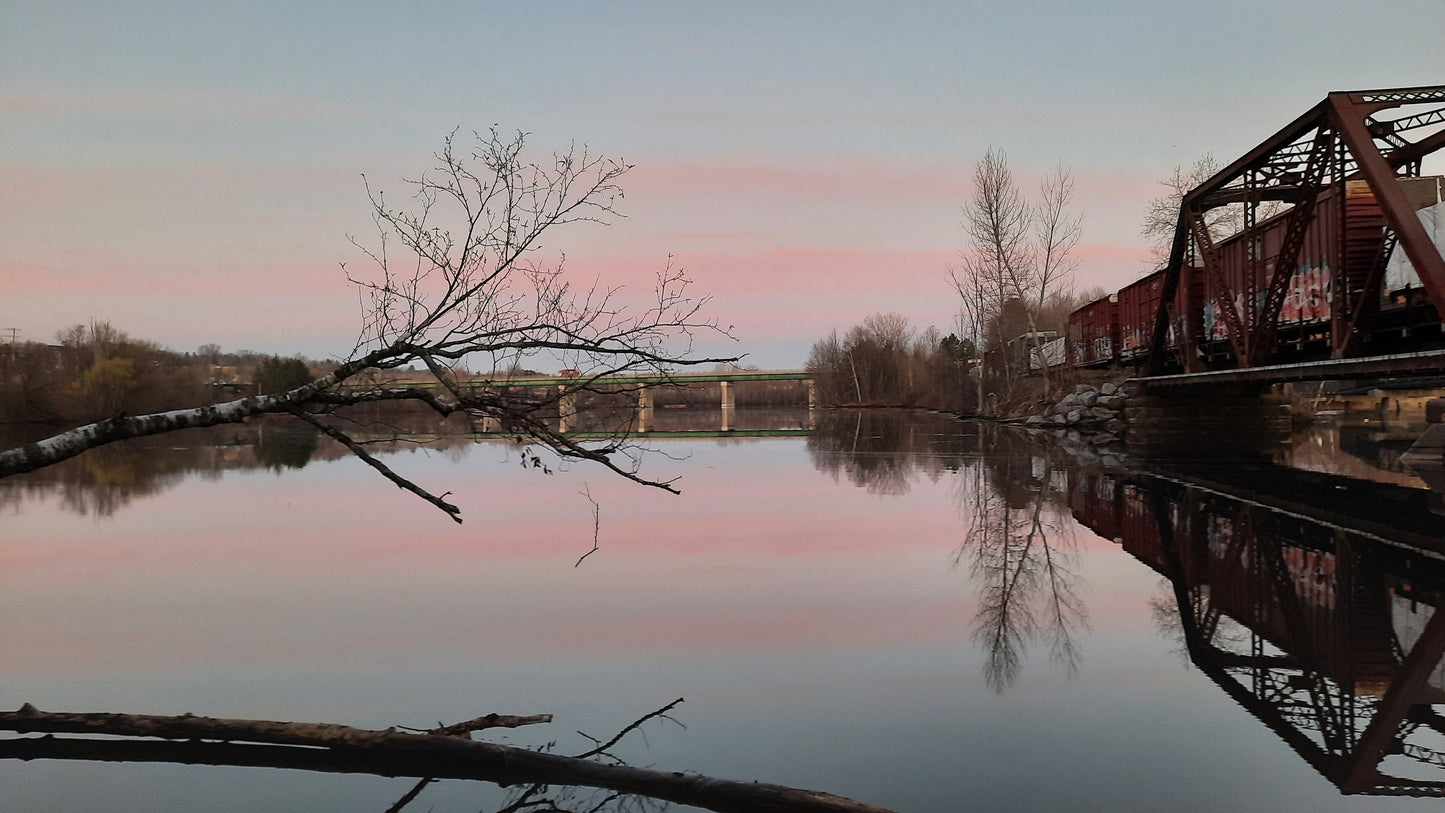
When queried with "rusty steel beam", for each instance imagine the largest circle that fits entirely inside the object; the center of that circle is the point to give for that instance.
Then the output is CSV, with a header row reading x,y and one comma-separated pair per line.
x,y
1262,340
1404,692
1234,323
1404,155
1348,112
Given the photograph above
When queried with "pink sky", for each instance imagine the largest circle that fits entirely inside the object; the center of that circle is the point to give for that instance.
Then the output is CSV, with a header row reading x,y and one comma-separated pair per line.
x,y
195,188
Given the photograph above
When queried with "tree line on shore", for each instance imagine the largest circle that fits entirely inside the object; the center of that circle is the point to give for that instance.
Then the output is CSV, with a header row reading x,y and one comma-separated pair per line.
x,y
1013,282
884,361
95,371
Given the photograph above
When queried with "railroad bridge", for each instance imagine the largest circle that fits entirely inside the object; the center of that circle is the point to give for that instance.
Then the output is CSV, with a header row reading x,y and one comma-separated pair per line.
x,y
1319,208
1315,256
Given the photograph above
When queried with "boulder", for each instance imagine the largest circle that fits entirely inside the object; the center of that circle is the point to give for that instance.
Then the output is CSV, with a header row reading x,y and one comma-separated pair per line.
x,y
1088,398
1074,416
1080,389
1108,388
1102,414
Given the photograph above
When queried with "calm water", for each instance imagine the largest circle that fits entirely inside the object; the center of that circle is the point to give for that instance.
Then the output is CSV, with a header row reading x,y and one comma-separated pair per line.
x,y
907,610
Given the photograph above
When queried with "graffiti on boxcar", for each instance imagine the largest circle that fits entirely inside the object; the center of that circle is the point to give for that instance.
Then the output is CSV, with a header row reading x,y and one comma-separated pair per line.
x,y
1309,296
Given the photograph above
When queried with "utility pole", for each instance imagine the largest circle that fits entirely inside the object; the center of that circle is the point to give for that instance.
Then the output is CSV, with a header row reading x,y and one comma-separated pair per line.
x,y
5,372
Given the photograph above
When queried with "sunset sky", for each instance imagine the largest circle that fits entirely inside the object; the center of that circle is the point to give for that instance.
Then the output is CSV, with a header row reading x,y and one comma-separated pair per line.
x,y
190,171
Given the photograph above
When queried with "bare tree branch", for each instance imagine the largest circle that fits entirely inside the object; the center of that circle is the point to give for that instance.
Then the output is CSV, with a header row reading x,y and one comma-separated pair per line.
x,y
459,280
338,748
602,748
596,524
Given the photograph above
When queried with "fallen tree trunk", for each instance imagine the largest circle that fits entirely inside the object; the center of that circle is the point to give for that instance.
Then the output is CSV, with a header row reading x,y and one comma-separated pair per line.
x,y
343,749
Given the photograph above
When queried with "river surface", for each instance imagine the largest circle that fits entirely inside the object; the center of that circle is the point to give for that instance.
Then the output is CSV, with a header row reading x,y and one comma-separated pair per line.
x,y
909,610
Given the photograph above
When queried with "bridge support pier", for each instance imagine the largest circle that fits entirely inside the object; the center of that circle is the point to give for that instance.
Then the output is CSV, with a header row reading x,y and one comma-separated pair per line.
x,y
1189,423
566,409
727,406
644,410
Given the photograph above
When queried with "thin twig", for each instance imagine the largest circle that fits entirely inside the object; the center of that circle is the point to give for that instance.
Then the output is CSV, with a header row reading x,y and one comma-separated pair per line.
x,y
407,798
596,522
662,712
401,482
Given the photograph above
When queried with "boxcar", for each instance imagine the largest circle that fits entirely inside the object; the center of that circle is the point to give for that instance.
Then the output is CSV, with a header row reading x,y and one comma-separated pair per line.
x,y
1094,332
1138,306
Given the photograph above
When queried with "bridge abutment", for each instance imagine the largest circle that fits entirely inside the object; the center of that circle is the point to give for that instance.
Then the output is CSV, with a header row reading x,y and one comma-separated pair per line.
x,y
1214,424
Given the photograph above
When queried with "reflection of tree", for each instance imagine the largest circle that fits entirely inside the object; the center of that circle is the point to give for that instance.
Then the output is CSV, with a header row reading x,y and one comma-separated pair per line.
x,y
286,447
106,479
1023,552
883,451
1020,541
100,484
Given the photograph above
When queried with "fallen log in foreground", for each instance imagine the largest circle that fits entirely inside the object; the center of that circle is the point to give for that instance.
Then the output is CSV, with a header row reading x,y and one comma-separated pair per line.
x,y
441,754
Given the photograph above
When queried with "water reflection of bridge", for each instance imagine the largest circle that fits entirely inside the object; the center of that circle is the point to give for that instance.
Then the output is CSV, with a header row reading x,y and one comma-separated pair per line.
x,y
1311,600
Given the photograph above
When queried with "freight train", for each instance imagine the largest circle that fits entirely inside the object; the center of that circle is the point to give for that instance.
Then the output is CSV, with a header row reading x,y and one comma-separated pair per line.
x,y
1343,247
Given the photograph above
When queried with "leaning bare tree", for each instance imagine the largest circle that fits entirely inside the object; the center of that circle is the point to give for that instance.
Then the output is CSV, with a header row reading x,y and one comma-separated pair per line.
x,y
459,279
444,752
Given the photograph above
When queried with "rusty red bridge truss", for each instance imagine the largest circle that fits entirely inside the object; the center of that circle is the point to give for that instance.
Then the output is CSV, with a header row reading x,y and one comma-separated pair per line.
x,y
1297,276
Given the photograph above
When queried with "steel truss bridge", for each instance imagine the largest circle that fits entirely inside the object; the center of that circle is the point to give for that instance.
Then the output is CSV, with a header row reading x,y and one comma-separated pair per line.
x,y
1291,189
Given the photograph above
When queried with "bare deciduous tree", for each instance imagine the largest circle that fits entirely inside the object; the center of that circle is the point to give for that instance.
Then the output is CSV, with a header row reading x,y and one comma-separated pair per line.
x,y
1016,251
460,280
1161,215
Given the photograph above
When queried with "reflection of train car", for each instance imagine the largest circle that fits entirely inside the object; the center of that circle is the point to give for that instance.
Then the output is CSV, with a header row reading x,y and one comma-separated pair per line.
x,y
1340,252
1277,575
1283,585
1093,497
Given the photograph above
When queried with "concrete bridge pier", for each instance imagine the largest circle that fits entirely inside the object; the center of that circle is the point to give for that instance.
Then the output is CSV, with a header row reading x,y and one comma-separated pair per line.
x,y
727,406
812,404
644,409
1218,422
566,409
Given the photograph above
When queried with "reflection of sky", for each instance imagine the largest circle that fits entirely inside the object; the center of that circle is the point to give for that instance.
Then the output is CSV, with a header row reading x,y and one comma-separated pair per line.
x,y
819,634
